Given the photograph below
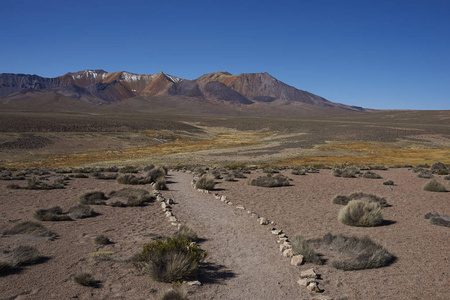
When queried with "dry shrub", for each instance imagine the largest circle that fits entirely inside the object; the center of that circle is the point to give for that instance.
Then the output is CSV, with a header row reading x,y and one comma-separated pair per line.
x,y
85,279
442,172
129,169
81,212
425,174
102,240
270,181
106,176
156,173
437,167
371,175
6,267
382,168
353,253
344,200
206,182
348,172
229,177
298,172
133,197
133,180
361,213
92,198
437,219
38,184
187,232
160,184
434,186
174,294
303,247
172,259
52,214
32,228
388,182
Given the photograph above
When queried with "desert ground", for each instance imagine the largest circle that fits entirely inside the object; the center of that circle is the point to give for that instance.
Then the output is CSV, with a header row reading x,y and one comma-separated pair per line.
x,y
244,259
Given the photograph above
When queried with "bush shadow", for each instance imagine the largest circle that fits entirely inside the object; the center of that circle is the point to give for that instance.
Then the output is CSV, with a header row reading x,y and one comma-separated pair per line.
x,y
212,273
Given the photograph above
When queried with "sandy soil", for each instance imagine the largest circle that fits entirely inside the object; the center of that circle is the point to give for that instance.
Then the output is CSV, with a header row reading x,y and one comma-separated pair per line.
x,y
244,260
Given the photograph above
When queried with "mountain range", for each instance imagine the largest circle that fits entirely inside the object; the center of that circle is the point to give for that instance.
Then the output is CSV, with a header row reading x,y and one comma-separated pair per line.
x,y
248,92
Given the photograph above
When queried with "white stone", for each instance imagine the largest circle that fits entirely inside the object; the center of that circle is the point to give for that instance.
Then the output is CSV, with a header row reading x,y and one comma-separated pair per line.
x,y
297,260
305,281
288,253
172,219
276,231
308,274
223,198
313,287
263,221
240,207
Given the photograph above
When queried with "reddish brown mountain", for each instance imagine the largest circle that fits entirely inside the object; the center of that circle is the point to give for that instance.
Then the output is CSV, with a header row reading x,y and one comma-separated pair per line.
x,y
245,92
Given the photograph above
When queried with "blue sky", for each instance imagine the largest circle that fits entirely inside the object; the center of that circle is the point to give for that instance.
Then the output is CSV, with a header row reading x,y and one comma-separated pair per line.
x,y
378,54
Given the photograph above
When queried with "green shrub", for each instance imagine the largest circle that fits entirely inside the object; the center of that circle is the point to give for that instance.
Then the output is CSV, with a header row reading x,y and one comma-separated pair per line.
x,y
388,182
92,198
270,181
206,182
102,240
80,212
371,175
303,247
442,172
172,259
344,200
187,232
85,279
32,228
52,214
361,213
434,186
353,253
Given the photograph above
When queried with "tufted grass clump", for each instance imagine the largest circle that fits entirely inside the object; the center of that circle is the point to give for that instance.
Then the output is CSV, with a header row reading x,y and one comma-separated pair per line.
x,y
129,169
85,279
361,213
160,184
102,240
344,200
206,182
187,232
80,212
298,172
134,180
270,181
348,172
371,175
170,260
52,214
353,253
131,196
437,219
31,228
388,182
303,247
174,294
92,198
434,186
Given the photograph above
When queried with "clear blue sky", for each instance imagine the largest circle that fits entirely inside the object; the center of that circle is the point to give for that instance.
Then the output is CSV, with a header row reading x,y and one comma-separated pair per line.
x,y
379,54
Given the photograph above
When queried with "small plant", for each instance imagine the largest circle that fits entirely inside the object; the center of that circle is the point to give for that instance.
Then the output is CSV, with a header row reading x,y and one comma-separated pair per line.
x,y
187,232
172,259
133,180
442,172
93,198
129,169
24,255
52,214
132,196
79,175
298,172
348,172
353,253
361,213
229,177
174,294
270,181
425,174
388,182
160,184
80,212
156,173
102,240
302,247
35,183
434,186
206,182
371,175
32,228
344,200
85,279
437,167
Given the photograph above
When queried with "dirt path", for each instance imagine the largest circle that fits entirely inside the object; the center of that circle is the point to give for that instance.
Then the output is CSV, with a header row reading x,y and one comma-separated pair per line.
x,y
244,260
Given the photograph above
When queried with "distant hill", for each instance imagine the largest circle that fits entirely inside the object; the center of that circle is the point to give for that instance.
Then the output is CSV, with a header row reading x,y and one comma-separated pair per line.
x,y
246,93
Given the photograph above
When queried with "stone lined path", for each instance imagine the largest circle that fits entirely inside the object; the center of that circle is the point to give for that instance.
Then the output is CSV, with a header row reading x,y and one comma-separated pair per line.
x,y
244,261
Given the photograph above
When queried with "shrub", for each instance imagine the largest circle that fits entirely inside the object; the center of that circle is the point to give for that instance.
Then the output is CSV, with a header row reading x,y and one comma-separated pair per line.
x,y
378,168
298,172
371,175
270,181
434,186
388,182
133,197
229,177
352,253
85,279
52,214
361,213
129,169
133,180
160,184
206,182
102,240
32,228
174,294
423,166
24,255
344,200
80,212
13,187
435,168
106,176
173,259
442,172
437,219
348,172
79,175
37,184
93,198
425,174
6,267
301,246
157,173
187,232
447,177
